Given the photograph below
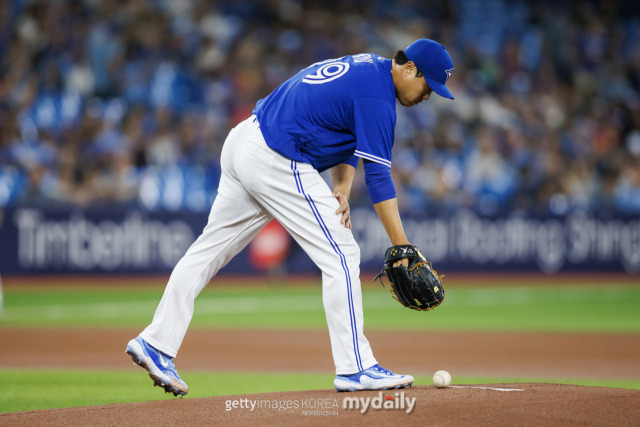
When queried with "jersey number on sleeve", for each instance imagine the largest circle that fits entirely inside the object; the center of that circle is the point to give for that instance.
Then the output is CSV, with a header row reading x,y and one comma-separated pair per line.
x,y
327,73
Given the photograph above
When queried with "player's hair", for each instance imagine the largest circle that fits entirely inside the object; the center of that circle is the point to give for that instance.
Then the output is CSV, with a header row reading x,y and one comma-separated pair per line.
x,y
402,59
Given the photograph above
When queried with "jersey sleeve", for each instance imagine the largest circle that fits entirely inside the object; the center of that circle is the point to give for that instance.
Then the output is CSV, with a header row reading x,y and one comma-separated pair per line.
x,y
353,161
378,179
374,121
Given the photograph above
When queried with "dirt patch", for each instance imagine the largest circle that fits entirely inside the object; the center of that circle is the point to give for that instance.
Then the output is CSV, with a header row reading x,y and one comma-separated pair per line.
x,y
501,404
418,353
560,355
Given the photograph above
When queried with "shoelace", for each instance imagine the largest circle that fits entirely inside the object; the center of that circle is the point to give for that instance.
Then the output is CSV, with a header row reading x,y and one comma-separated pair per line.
x,y
381,369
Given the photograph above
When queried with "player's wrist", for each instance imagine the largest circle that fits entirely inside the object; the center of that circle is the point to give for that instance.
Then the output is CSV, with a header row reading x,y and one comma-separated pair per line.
x,y
337,193
399,241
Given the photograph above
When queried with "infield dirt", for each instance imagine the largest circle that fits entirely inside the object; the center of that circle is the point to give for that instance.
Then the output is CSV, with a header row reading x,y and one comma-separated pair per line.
x,y
559,355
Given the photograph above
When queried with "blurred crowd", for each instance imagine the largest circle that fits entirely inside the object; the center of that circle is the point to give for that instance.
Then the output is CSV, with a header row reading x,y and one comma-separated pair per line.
x,y
128,102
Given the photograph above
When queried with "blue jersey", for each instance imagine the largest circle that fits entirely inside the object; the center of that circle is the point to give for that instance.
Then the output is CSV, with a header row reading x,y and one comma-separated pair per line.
x,y
333,111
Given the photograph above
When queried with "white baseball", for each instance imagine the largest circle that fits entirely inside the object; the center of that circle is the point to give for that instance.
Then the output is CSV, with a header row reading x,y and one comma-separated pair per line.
x,y
442,379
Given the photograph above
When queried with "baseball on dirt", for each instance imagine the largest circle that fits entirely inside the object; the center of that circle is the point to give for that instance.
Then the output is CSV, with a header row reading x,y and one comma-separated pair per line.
x,y
442,379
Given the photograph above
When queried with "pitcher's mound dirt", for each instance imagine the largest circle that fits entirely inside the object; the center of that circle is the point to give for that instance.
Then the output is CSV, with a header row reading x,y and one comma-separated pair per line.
x,y
495,404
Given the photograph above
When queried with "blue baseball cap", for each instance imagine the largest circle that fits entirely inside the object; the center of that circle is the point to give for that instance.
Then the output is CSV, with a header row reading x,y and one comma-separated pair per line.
x,y
435,63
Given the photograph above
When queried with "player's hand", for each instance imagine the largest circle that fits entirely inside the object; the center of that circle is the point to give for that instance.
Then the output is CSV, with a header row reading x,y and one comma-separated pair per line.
x,y
344,209
404,262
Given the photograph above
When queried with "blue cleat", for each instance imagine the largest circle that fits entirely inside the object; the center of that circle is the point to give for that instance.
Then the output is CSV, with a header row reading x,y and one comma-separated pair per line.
x,y
374,378
160,366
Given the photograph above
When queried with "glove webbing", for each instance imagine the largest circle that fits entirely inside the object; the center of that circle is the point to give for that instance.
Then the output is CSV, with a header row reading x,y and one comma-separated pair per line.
x,y
394,273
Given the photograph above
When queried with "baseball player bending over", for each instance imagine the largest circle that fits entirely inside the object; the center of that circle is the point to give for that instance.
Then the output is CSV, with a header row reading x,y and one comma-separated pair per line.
x,y
328,116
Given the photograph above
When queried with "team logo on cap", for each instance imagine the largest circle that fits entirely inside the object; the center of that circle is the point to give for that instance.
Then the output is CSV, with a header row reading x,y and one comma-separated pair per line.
x,y
448,73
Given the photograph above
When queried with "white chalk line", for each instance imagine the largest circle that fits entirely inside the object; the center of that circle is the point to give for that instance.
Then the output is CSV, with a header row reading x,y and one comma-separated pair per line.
x,y
487,388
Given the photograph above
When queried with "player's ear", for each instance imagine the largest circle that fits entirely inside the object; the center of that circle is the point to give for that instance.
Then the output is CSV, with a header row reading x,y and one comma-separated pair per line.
x,y
409,69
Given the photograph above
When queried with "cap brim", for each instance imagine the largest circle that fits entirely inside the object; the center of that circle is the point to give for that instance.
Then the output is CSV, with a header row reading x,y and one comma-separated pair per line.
x,y
438,88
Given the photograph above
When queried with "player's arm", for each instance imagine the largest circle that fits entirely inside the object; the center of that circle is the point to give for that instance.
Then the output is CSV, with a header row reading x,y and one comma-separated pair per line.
x,y
374,124
342,179
389,215
383,195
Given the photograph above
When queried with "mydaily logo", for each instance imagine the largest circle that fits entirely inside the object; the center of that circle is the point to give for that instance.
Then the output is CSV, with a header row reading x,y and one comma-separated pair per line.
x,y
397,402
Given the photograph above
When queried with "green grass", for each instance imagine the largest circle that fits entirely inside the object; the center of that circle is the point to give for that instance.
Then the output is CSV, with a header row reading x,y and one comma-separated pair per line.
x,y
41,389
45,389
605,308
525,306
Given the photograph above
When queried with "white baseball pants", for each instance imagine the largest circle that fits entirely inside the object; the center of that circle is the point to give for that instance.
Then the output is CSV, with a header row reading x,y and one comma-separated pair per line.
x,y
258,184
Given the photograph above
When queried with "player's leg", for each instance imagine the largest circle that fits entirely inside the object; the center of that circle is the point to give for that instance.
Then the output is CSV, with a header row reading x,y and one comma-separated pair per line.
x,y
297,196
313,223
335,251
234,220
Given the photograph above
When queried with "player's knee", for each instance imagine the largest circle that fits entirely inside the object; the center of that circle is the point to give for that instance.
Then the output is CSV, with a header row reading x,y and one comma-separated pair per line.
x,y
351,252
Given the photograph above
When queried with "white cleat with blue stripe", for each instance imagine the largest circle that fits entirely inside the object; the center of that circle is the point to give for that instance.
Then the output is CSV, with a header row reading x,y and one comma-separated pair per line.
x,y
374,378
160,366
